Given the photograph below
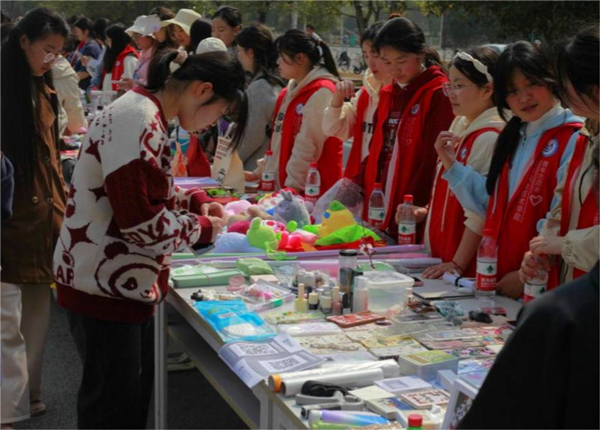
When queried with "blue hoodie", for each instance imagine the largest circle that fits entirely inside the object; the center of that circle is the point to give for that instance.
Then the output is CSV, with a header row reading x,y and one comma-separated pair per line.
x,y
469,185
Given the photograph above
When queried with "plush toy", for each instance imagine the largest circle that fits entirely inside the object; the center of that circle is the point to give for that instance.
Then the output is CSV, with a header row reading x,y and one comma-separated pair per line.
x,y
236,208
276,226
233,243
241,227
261,236
291,208
335,218
247,215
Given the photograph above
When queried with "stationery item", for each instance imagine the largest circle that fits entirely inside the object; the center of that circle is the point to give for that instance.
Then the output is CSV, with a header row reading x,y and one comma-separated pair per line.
x,y
426,364
351,374
355,319
189,276
265,296
477,352
310,329
446,379
455,334
349,419
290,317
403,384
440,290
425,399
371,393
254,266
452,344
233,321
475,379
329,344
459,281
386,289
383,341
255,361
475,365
388,407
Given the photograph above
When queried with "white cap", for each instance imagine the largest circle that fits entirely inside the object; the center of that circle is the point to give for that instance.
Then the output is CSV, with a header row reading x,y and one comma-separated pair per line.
x,y
184,18
211,44
145,25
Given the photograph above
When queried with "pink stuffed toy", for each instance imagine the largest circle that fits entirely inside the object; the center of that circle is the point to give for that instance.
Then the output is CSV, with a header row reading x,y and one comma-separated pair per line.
x,y
237,207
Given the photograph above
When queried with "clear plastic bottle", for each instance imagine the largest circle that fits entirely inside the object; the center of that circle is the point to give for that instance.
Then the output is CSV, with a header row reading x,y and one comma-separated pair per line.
x,y
535,287
312,188
360,298
407,226
487,266
267,182
377,206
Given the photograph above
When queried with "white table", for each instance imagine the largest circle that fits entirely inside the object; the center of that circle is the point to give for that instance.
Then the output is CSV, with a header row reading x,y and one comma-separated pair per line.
x,y
259,407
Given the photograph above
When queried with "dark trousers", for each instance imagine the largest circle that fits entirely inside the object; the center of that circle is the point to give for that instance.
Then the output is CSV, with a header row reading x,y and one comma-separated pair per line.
x,y
118,372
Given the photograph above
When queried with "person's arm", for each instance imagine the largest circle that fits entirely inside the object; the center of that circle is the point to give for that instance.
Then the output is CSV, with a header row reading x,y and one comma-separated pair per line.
x,y
309,142
467,249
72,104
261,103
82,75
580,248
339,121
469,188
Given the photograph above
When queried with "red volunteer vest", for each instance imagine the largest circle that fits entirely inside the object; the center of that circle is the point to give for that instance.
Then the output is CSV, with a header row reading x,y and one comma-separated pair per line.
x,y
514,221
119,66
409,136
588,215
198,164
330,163
353,164
447,217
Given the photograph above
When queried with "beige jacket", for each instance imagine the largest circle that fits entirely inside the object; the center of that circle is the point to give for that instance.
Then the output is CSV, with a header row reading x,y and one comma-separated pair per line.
x,y
309,140
479,158
66,84
580,248
340,122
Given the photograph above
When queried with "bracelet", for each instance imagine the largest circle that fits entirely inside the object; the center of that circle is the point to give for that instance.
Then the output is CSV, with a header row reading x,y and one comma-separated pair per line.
x,y
456,266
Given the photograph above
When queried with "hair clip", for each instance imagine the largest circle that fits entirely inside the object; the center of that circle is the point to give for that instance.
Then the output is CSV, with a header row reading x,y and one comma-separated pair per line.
x,y
479,66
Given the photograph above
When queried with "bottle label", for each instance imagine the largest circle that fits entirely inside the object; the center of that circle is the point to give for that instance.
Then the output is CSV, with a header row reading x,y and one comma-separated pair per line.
x,y
268,181
534,288
407,233
376,216
312,193
486,275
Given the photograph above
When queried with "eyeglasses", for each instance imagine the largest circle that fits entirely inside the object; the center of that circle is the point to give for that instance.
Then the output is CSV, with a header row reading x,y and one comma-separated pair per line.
x,y
451,89
50,57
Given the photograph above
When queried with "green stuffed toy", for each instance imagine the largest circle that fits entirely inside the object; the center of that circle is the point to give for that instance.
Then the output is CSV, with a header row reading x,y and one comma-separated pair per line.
x,y
261,236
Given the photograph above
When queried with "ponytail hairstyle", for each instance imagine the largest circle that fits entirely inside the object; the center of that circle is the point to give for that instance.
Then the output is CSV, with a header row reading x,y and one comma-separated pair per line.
x,y
536,67
119,41
298,42
224,72
86,24
371,33
486,56
576,63
259,38
20,92
404,35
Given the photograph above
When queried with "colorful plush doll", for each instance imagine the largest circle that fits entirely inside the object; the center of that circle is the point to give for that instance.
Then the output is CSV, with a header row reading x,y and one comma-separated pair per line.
x,y
291,208
261,236
335,218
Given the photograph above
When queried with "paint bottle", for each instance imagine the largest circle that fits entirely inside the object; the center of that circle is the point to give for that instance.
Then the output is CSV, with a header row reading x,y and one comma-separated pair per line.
x,y
313,301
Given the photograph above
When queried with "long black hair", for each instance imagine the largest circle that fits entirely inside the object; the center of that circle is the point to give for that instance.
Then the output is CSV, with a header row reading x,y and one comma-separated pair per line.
x,y
404,35
231,15
259,38
371,32
224,72
119,41
576,63
99,29
21,90
536,67
298,42
169,43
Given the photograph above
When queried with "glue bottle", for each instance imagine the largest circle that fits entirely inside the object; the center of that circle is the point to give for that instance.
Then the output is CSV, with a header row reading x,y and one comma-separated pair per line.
x,y
377,207
407,225
487,265
312,190
267,183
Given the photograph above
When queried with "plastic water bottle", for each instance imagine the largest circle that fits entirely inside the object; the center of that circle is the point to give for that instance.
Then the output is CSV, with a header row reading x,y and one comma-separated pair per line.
x,y
377,207
535,287
487,266
407,227
267,182
312,188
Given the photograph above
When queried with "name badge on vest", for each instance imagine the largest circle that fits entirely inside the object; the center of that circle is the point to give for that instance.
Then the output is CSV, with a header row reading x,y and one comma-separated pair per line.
x,y
463,153
118,63
299,108
550,149
415,109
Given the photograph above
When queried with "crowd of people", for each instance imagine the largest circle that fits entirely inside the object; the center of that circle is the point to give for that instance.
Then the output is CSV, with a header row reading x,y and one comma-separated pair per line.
x,y
498,139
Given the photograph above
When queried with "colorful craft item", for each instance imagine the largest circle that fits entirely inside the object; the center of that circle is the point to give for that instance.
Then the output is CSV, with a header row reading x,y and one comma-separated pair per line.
x,y
292,208
261,236
335,218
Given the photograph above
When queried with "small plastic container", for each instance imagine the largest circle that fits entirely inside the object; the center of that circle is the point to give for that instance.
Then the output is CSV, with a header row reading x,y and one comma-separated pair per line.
x,y
426,364
387,289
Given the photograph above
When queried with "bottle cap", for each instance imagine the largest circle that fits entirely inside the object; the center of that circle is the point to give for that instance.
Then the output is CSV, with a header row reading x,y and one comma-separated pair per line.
x,y
377,186
415,420
313,298
348,253
269,152
314,165
488,231
408,198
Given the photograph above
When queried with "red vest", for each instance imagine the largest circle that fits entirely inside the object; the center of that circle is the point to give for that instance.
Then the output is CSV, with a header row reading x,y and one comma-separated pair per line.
x,y
353,164
330,163
119,65
588,215
198,164
514,220
447,217
409,136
